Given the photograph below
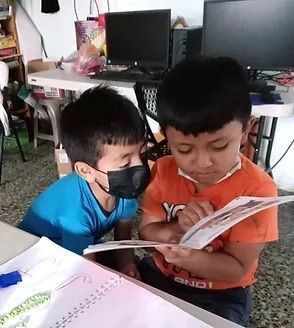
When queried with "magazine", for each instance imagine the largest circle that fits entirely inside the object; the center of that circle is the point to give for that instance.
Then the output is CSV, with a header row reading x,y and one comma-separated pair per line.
x,y
208,228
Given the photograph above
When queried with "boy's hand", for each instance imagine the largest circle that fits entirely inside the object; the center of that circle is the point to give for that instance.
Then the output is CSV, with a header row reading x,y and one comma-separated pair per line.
x,y
171,233
193,212
131,270
176,255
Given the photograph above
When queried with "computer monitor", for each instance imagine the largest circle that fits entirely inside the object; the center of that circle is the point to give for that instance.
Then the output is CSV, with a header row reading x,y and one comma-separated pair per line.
x,y
138,38
257,33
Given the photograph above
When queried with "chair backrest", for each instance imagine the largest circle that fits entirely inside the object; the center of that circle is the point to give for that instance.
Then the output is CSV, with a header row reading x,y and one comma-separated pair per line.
x,y
146,97
4,73
146,94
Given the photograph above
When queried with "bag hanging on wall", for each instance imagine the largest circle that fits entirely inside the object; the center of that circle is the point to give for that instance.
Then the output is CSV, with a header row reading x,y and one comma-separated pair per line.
x,y
50,6
92,30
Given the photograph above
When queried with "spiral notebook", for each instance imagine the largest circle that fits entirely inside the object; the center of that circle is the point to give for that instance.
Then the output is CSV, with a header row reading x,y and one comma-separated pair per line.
x,y
69,291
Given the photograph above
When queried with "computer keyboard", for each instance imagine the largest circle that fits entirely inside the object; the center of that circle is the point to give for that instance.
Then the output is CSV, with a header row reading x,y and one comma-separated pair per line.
x,y
126,76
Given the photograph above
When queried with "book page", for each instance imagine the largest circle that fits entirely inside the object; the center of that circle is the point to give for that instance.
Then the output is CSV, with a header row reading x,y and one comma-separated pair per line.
x,y
79,293
209,228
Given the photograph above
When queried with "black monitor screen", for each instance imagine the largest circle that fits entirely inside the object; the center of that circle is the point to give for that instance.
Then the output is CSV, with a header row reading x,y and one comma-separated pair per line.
x,y
257,33
138,38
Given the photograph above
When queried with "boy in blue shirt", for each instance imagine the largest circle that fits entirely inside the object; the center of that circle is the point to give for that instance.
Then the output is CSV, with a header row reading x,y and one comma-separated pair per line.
x,y
104,137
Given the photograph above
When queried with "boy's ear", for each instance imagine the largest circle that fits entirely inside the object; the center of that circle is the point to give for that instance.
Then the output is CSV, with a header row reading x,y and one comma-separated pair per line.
x,y
162,131
247,129
85,171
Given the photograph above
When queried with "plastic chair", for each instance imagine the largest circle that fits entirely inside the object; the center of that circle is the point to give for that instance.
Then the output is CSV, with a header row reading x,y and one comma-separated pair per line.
x,y
146,94
53,108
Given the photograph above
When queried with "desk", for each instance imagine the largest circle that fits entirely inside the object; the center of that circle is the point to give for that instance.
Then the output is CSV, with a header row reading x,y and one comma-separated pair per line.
x,y
57,78
14,241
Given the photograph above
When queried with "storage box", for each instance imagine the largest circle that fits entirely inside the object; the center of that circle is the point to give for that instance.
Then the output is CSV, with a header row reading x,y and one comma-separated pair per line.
x,y
7,52
7,42
47,92
64,166
38,65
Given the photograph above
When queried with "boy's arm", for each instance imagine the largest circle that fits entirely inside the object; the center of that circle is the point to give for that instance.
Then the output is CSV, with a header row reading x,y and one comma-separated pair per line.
x,y
153,225
229,265
243,246
125,257
155,229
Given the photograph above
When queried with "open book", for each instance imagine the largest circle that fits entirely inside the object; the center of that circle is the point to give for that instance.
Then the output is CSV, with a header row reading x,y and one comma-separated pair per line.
x,y
207,229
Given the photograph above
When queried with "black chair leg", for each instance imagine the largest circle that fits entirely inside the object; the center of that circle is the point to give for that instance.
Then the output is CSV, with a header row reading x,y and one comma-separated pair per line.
x,y
14,131
1,148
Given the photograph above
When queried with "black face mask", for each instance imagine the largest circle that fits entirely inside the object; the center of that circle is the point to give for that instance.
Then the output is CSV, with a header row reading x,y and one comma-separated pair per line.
x,y
127,183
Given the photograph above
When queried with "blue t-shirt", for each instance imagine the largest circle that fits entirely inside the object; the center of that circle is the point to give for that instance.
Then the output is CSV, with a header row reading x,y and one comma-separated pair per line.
x,y
69,214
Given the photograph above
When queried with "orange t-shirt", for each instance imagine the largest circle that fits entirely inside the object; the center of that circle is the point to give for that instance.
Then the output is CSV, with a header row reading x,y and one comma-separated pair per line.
x,y
169,191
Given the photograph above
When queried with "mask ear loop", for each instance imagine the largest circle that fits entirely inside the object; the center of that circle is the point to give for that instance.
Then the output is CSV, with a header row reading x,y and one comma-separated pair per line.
x,y
98,183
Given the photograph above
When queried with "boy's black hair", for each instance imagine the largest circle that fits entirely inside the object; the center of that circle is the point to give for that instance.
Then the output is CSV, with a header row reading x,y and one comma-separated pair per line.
x,y
204,94
99,117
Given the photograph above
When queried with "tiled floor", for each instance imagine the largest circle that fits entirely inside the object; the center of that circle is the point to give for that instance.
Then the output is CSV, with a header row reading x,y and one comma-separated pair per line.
x,y
274,291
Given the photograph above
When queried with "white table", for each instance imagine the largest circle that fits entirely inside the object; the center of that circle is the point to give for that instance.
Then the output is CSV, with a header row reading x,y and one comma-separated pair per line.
x,y
57,78
71,81
14,241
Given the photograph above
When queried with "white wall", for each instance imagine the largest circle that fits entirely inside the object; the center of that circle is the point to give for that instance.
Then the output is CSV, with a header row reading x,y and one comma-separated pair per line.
x,y
59,36
284,172
58,29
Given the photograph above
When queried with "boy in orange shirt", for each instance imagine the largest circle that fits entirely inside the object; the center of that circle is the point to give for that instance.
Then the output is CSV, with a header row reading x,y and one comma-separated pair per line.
x,y
205,112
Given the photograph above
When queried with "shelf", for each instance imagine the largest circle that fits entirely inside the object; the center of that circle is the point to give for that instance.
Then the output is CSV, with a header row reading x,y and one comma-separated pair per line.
x,y
3,18
11,56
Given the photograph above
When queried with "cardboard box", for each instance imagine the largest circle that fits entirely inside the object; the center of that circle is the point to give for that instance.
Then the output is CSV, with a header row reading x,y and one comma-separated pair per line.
x,y
7,42
64,166
38,65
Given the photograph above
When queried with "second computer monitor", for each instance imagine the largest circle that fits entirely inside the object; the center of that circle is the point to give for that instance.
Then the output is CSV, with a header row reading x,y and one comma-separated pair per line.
x,y
138,38
257,33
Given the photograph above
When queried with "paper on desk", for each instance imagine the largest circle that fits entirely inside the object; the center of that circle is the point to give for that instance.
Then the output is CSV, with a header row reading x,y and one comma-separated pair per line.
x,y
83,294
207,229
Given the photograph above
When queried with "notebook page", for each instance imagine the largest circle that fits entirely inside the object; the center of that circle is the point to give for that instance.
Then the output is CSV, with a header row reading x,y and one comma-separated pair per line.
x,y
82,294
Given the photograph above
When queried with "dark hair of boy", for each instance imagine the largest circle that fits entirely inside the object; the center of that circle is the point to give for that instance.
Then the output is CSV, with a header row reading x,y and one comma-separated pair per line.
x,y
204,94
100,116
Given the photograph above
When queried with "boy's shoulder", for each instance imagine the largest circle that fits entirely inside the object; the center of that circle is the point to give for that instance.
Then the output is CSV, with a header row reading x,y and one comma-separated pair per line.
x,y
64,183
252,175
165,166
62,189
248,180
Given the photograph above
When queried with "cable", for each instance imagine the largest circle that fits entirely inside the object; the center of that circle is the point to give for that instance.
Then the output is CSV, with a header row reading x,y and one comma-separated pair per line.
x,y
75,9
286,151
97,6
284,78
90,7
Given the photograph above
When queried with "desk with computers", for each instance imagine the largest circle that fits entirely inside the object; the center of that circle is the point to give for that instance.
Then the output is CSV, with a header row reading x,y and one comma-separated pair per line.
x,y
141,46
258,34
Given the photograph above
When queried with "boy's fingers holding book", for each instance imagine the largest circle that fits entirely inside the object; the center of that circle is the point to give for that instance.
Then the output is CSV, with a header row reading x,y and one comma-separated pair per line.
x,y
207,207
185,221
174,254
193,212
